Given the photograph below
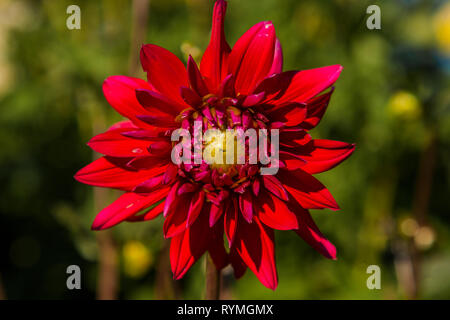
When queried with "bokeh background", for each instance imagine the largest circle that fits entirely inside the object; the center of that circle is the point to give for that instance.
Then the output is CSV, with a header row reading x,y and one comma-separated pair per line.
x,y
392,100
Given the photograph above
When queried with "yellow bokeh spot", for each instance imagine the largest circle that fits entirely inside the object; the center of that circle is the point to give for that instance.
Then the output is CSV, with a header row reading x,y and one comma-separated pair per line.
x,y
441,23
137,259
405,105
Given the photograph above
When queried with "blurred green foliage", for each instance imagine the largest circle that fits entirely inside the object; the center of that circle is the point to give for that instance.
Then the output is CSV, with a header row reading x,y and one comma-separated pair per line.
x,y
392,100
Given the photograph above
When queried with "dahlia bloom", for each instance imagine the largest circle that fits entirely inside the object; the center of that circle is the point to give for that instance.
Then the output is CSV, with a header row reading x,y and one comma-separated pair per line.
x,y
204,204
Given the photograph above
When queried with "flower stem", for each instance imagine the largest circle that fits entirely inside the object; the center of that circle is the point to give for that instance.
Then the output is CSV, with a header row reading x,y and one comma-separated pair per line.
x,y
212,280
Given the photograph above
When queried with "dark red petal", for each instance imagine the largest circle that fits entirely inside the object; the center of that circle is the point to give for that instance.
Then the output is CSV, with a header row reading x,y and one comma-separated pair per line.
x,y
275,213
113,143
124,207
307,190
246,205
291,114
159,121
308,230
187,247
252,57
176,219
195,78
214,61
215,214
298,86
195,207
171,198
158,104
275,187
216,247
255,244
316,108
190,97
112,173
326,154
231,218
238,265
170,174
120,93
165,72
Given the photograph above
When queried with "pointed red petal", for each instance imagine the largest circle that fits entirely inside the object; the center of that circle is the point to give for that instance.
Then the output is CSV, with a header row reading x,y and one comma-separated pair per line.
x,y
149,215
231,218
165,72
195,78
112,173
113,143
124,207
195,207
252,57
275,213
275,187
298,86
308,230
246,205
307,190
316,108
277,65
255,244
187,247
214,61
325,155
120,93
157,104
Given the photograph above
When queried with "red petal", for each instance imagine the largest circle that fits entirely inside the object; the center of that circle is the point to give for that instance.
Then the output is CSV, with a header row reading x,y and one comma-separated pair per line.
x,y
158,104
195,78
239,266
165,72
291,114
120,93
299,86
255,244
149,185
231,218
316,108
275,213
275,187
187,247
159,121
195,207
125,124
215,214
326,154
149,215
112,173
307,190
114,144
308,230
216,248
214,60
252,57
246,205
171,197
277,65
175,222
124,207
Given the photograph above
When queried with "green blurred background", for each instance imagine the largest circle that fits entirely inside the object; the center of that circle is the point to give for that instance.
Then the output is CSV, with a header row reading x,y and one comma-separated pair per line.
x,y
392,100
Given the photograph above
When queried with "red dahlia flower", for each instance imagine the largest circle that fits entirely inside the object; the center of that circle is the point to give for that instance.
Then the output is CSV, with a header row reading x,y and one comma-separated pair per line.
x,y
243,87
